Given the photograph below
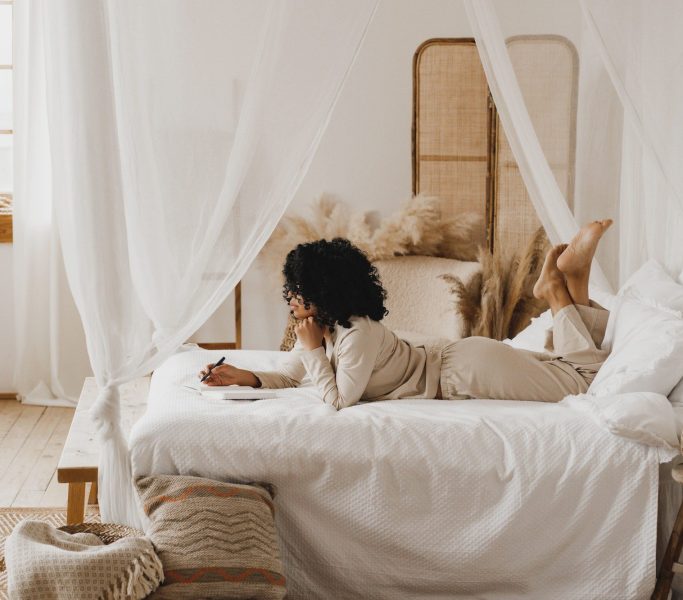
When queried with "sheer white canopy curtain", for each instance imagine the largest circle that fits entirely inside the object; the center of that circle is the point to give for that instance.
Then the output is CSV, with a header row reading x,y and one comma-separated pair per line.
x,y
641,50
544,192
177,134
171,135
50,355
629,118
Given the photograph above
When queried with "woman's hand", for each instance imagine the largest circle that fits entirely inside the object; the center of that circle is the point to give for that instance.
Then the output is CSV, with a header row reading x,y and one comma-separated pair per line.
x,y
309,333
226,374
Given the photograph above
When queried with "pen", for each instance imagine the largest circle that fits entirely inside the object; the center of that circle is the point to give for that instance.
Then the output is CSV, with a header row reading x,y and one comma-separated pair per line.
x,y
218,364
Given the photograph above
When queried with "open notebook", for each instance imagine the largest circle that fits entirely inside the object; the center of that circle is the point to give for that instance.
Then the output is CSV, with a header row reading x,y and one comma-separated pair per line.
x,y
232,392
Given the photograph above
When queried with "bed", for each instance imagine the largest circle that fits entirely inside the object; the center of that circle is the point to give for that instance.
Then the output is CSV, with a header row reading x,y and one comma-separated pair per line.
x,y
422,498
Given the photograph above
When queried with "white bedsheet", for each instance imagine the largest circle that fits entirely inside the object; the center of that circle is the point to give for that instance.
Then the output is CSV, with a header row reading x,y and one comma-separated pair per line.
x,y
421,498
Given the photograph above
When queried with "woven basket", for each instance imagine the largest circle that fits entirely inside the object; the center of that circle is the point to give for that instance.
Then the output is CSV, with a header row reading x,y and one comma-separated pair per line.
x,y
289,337
107,532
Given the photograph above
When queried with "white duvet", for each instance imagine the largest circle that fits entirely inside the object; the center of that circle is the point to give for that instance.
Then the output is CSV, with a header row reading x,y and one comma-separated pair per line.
x,y
428,498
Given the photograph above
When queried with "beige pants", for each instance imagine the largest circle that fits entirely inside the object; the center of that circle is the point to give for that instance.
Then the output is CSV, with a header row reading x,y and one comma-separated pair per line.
x,y
479,367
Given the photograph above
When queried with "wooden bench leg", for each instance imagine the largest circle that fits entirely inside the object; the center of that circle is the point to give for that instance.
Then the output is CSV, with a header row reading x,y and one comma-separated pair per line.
x,y
75,506
92,496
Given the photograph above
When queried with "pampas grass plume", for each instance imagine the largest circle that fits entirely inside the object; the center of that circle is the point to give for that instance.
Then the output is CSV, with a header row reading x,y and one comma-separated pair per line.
x,y
417,228
498,303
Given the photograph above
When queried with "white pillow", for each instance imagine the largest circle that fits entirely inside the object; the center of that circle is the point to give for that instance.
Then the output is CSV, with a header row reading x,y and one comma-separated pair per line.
x,y
646,351
652,285
605,299
643,417
532,337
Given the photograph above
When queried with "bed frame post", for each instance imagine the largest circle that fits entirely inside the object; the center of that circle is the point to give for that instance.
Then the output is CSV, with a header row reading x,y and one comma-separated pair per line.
x,y
673,550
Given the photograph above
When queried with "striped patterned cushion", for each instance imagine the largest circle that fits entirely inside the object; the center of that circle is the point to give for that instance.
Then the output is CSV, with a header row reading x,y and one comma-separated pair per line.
x,y
215,540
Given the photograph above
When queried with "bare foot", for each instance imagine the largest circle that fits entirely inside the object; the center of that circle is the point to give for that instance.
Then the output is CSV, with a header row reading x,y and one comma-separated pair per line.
x,y
576,259
551,277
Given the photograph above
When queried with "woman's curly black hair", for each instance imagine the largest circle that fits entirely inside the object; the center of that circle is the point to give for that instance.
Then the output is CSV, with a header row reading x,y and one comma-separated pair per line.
x,y
337,278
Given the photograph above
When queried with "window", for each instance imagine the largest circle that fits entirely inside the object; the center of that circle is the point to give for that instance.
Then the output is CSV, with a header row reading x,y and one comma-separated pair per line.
x,y
6,124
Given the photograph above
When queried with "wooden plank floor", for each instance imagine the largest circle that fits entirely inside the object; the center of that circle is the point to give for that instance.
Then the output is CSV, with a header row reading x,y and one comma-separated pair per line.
x,y
31,442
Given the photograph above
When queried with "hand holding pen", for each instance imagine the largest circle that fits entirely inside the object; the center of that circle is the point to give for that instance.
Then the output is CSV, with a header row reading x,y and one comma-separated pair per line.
x,y
208,372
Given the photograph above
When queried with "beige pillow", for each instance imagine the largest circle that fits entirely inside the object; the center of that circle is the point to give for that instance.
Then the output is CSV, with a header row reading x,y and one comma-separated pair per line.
x,y
420,301
215,539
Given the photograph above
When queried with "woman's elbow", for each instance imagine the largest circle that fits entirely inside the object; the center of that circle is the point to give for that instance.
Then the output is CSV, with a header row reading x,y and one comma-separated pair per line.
x,y
339,402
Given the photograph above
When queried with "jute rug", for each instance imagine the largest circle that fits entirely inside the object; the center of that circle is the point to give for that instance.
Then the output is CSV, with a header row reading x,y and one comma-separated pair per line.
x,y
9,517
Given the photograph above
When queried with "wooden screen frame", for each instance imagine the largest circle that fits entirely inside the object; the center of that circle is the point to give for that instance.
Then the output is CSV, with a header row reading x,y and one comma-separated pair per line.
x,y
237,344
496,140
492,126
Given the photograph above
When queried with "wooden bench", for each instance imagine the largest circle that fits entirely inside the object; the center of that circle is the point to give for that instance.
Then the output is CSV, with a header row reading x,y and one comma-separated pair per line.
x,y
80,456
81,453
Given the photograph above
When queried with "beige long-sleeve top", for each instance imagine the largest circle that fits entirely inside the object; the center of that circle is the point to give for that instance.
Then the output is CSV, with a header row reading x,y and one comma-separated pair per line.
x,y
364,362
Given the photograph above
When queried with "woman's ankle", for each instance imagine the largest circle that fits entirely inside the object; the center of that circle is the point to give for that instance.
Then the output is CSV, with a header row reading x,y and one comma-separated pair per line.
x,y
558,297
578,289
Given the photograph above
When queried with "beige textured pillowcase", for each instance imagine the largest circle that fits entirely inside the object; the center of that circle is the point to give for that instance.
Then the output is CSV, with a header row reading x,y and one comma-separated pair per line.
x,y
215,539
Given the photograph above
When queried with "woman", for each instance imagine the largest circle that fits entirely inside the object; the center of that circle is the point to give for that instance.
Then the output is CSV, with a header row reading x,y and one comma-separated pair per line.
x,y
335,294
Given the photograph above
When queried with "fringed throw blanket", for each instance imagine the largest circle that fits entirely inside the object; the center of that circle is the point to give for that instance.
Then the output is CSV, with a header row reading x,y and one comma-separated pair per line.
x,y
44,563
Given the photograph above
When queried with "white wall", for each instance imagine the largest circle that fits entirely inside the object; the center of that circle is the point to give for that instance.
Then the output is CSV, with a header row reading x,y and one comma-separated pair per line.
x,y
364,157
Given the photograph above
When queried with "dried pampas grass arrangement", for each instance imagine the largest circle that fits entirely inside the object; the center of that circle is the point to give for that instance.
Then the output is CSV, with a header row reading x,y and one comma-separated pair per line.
x,y
418,228
498,302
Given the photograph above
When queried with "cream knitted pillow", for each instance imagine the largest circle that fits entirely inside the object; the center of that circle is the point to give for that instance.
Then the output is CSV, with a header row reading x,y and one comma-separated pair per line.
x,y
420,301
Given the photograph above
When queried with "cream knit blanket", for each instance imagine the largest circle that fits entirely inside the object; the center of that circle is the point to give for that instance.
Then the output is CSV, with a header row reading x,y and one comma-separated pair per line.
x,y
44,563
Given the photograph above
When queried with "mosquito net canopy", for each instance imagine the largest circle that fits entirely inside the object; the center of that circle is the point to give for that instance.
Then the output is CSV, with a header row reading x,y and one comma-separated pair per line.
x,y
174,134
626,122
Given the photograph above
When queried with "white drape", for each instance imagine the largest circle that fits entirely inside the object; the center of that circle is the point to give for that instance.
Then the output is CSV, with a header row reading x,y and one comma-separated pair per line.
x,y
50,355
637,43
598,157
176,133
630,114
179,133
549,202
641,50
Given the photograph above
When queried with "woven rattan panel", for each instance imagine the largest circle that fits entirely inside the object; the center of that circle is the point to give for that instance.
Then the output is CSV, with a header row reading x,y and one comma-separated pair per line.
x,y
546,68
450,126
457,138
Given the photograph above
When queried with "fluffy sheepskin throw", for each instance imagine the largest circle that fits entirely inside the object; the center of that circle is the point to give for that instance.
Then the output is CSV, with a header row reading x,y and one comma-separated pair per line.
x,y
418,228
498,302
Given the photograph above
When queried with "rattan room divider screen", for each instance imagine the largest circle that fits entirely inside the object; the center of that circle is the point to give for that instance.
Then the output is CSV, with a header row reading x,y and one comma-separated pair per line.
x,y
460,152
